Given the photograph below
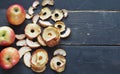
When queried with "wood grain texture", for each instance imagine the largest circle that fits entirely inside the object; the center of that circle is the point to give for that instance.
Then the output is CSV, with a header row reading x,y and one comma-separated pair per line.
x,y
93,27
94,44
80,60
88,27
70,4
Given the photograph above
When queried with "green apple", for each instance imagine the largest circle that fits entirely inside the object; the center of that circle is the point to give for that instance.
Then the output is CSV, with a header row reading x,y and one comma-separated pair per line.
x,y
7,36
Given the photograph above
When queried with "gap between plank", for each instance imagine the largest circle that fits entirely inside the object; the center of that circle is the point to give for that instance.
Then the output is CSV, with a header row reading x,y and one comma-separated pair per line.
x,y
77,44
75,11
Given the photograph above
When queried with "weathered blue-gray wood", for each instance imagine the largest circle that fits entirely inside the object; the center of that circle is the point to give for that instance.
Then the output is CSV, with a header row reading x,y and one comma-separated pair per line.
x,y
81,60
88,27
94,44
70,4
94,27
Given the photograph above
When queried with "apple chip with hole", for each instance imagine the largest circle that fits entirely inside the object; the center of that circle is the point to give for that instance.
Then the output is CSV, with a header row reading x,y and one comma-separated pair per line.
x,y
51,36
58,63
57,15
60,25
32,30
45,13
39,60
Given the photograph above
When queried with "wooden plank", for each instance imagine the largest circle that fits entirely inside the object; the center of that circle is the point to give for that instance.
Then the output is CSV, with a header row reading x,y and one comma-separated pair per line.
x,y
70,4
92,48
93,27
81,60
88,27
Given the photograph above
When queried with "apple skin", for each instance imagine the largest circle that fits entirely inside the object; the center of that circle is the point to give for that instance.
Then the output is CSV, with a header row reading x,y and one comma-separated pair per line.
x,y
9,57
7,36
16,14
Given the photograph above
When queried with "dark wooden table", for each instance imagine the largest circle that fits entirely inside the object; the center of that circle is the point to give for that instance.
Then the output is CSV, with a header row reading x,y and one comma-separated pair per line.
x,y
94,44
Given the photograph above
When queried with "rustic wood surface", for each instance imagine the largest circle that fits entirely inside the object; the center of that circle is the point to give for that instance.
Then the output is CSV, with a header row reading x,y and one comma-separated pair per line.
x,y
94,44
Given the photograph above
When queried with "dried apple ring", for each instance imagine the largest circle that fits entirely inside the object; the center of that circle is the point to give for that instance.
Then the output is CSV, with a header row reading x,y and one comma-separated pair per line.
x,y
58,63
45,13
32,30
51,36
57,15
39,60
60,25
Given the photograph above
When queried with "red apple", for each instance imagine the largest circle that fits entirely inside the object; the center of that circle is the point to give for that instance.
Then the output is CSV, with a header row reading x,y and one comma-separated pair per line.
x,y
16,14
7,36
9,57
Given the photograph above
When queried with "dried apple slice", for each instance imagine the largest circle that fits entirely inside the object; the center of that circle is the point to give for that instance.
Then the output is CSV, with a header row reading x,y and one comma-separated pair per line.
x,y
39,60
66,34
35,18
31,10
21,43
60,25
47,2
26,59
39,57
58,63
32,30
32,44
57,15
41,41
35,4
20,36
65,13
60,52
45,23
51,36
28,16
23,50
45,13
40,70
